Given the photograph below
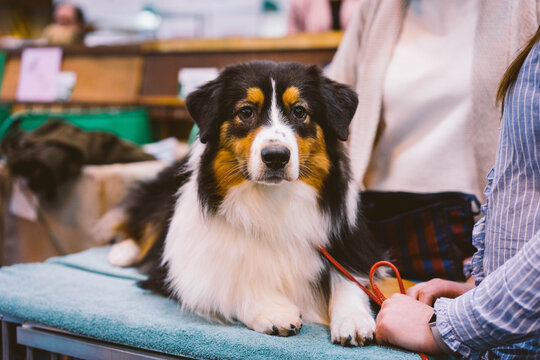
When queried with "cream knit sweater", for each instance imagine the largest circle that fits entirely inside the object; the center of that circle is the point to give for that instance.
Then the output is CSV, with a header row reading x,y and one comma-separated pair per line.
x,y
503,27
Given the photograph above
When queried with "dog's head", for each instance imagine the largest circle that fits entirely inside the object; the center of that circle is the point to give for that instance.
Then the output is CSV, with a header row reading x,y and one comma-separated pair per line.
x,y
271,122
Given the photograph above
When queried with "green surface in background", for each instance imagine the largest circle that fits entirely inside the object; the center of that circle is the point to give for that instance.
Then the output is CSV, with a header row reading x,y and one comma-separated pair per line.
x,y
5,112
193,134
129,124
5,109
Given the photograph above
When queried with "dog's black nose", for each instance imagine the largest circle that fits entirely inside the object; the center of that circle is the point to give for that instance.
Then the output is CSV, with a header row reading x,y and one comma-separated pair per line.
x,y
275,157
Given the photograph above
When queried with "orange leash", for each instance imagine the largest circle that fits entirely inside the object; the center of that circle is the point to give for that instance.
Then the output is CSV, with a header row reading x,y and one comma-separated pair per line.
x,y
376,295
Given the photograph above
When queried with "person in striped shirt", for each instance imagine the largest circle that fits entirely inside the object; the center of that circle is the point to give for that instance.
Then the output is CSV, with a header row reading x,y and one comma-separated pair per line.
x,y
500,316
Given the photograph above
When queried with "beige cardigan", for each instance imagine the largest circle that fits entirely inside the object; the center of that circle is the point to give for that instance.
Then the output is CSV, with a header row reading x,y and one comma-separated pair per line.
x,y
503,27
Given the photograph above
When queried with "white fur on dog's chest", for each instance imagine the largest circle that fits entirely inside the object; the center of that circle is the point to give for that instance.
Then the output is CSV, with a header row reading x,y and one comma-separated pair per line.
x,y
263,240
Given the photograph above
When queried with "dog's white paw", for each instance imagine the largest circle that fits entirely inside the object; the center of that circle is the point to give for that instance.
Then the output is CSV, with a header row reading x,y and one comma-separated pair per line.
x,y
355,328
125,253
276,320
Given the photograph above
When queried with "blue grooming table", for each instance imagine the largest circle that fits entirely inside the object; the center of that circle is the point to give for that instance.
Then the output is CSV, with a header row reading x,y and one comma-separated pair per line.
x,y
81,306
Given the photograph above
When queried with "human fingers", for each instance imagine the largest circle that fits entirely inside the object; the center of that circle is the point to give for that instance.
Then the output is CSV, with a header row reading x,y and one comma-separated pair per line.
x,y
403,321
433,289
413,290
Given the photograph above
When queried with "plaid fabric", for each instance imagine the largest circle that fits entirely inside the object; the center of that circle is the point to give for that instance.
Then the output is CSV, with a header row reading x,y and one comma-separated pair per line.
x,y
428,235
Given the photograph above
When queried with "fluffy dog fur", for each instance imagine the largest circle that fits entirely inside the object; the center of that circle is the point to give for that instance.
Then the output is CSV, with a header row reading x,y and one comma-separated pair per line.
x,y
232,230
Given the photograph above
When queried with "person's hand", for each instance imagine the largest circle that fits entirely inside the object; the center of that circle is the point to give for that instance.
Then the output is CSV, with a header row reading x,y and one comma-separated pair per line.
x,y
403,321
429,291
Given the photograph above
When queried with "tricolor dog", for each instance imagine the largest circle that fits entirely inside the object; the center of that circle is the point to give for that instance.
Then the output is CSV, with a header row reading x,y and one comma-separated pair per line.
x,y
233,230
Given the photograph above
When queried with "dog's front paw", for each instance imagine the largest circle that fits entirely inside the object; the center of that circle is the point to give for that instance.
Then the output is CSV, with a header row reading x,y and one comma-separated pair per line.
x,y
276,320
353,329
125,253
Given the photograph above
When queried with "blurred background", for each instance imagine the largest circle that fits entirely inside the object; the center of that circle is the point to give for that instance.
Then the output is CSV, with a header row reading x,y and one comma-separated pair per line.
x,y
128,21
150,53
123,67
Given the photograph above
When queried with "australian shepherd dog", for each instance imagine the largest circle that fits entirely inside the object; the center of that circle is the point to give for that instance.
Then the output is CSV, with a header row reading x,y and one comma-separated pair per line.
x,y
232,231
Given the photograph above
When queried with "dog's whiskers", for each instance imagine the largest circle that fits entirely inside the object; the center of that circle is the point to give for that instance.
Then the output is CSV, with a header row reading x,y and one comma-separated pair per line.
x,y
232,172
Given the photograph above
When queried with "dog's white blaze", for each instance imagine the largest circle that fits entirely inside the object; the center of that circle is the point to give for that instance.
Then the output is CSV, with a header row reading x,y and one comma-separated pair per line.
x,y
274,111
275,133
258,253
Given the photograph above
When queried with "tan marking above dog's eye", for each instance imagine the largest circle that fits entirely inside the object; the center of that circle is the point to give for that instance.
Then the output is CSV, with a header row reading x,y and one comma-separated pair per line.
x,y
291,96
255,96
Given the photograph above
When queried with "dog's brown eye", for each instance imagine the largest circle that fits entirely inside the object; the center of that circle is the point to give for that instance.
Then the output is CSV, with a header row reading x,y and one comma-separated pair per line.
x,y
299,112
245,113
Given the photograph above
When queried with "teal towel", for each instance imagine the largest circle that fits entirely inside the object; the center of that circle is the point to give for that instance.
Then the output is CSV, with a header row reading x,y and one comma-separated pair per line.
x,y
95,260
83,294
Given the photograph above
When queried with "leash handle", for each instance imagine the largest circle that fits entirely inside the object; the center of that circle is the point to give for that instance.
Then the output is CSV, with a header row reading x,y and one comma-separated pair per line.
x,y
376,295
374,286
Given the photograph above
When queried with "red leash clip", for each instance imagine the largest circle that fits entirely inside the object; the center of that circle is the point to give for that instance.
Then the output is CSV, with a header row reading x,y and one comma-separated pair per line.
x,y
376,295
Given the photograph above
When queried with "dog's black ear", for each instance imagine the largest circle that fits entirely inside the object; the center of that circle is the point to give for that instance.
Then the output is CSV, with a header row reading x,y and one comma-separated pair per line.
x,y
203,106
341,102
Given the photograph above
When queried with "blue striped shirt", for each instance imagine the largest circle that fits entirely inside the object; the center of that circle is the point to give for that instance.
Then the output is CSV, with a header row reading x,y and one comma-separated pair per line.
x,y
504,308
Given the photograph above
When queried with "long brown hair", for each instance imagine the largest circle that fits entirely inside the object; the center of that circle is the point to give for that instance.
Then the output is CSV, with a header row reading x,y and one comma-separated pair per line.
x,y
511,74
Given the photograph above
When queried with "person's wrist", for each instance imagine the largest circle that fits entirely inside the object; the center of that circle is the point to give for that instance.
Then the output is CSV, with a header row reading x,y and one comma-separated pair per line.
x,y
437,338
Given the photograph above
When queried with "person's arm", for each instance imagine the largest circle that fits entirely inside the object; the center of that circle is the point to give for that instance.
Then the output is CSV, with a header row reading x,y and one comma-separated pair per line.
x,y
503,309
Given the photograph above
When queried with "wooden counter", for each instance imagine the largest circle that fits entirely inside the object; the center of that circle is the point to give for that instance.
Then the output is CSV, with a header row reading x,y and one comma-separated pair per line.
x,y
146,74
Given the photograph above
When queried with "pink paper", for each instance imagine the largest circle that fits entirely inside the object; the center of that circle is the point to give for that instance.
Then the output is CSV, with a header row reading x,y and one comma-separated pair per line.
x,y
39,73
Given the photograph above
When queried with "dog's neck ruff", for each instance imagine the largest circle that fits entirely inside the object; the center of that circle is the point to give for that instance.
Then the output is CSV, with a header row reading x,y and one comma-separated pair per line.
x,y
266,210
